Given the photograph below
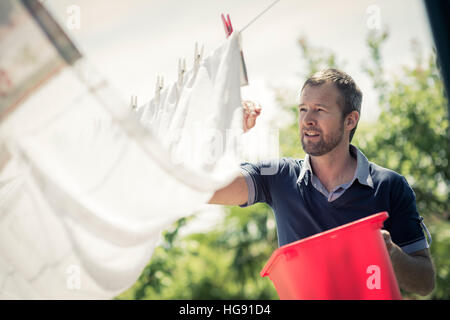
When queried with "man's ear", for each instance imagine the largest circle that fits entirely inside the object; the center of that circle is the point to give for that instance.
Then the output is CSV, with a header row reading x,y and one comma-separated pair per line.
x,y
351,120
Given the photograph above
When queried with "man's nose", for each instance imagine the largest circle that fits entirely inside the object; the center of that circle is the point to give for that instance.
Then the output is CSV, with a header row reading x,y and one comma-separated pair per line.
x,y
308,119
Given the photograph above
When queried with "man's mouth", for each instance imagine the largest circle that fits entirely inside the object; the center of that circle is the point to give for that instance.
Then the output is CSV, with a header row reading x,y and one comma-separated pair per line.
x,y
310,134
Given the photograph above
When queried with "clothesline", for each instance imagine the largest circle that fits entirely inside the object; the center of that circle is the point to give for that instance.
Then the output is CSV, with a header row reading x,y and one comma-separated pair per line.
x,y
259,15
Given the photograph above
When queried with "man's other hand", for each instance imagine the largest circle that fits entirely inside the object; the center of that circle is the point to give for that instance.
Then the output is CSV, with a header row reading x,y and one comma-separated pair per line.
x,y
251,111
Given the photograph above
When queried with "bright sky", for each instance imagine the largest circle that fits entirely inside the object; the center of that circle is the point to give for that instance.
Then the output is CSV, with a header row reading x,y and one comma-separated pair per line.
x,y
133,41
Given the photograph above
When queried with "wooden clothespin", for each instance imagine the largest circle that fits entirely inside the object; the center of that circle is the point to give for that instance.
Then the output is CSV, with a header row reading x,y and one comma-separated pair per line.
x,y
133,102
198,55
158,88
181,71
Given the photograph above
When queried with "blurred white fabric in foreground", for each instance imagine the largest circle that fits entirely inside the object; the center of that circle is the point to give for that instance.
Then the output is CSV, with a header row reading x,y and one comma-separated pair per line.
x,y
85,189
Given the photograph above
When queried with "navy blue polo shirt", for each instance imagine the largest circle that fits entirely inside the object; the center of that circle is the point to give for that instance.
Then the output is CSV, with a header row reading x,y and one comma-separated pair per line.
x,y
302,207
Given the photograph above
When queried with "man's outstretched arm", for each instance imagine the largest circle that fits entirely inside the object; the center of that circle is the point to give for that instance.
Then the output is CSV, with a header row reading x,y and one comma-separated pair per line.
x,y
234,194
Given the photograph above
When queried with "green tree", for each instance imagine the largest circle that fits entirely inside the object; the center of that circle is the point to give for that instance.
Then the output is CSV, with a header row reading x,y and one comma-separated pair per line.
x,y
412,133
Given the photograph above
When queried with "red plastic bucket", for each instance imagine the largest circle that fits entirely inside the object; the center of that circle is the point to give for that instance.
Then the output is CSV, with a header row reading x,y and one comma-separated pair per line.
x,y
347,262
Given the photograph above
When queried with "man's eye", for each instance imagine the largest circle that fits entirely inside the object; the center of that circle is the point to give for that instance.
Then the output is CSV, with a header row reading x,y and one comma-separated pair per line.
x,y
302,109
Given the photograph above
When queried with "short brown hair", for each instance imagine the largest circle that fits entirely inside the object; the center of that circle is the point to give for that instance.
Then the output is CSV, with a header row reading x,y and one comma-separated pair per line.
x,y
350,92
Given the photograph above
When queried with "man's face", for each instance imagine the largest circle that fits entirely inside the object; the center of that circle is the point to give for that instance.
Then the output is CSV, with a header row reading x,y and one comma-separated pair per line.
x,y
320,119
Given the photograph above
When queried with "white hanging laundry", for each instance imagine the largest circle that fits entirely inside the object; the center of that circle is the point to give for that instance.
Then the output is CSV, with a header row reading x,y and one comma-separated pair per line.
x,y
192,120
85,189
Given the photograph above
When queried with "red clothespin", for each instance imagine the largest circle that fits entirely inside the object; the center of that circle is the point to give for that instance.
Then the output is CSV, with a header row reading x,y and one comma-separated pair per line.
x,y
228,31
227,25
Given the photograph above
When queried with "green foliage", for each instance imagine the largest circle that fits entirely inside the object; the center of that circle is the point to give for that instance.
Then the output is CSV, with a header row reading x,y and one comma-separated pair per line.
x,y
374,67
412,132
411,137
221,264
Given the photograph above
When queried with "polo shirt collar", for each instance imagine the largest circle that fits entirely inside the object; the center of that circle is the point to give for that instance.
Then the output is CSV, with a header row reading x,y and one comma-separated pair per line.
x,y
362,167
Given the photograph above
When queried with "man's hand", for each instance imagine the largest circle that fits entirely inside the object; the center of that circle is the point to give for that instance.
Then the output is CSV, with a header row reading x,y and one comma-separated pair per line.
x,y
415,271
251,111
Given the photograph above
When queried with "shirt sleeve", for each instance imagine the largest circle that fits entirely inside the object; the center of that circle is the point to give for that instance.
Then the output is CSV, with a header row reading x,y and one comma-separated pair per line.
x,y
404,223
259,178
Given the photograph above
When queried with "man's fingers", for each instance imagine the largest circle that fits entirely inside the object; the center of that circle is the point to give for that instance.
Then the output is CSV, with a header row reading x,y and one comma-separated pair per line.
x,y
251,106
251,111
387,239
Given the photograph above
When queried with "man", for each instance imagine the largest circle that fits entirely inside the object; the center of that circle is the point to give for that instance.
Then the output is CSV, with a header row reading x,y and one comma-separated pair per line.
x,y
335,183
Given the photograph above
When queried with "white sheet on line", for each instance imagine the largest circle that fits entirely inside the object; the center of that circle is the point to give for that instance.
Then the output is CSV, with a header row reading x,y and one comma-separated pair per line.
x,y
86,189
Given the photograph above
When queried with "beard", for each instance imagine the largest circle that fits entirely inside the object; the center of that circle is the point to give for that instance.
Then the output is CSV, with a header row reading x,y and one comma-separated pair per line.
x,y
325,143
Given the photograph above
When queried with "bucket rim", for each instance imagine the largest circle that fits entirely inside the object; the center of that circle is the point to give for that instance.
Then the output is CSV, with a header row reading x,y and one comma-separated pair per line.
x,y
369,220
